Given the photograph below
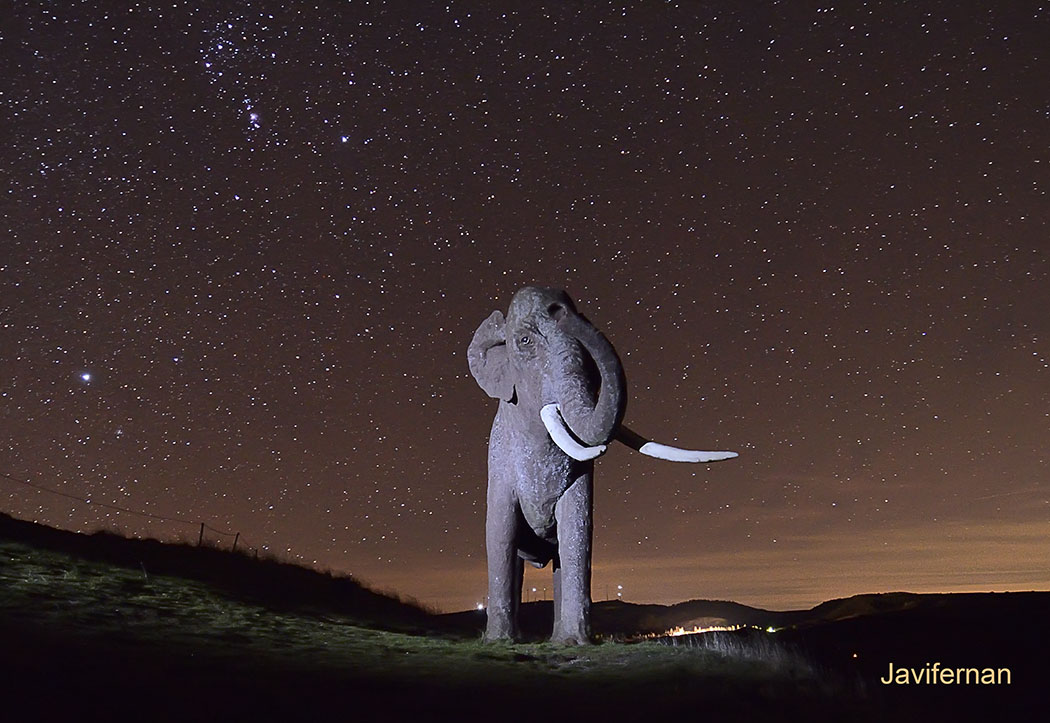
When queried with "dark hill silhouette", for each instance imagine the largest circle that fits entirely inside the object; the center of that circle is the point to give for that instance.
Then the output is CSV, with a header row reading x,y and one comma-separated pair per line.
x,y
868,604
267,582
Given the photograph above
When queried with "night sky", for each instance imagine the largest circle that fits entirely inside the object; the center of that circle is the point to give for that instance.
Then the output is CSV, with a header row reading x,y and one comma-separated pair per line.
x,y
244,247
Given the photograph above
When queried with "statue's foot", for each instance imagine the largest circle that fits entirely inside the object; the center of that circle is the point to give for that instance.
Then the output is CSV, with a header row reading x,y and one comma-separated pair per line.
x,y
577,638
498,638
499,635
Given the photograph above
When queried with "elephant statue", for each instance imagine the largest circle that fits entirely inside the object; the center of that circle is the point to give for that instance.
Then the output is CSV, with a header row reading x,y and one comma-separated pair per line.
x,y
562,395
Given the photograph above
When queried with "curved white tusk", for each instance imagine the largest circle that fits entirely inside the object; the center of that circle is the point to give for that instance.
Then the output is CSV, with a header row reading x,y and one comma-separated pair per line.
x,y
559,432
674,454
663,451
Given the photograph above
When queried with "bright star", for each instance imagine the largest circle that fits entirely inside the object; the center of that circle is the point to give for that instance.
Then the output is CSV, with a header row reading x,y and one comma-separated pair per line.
x,y
86,376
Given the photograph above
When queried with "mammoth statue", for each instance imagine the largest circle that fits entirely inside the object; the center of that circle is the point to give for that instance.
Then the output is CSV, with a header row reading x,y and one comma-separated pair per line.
x,y
562,395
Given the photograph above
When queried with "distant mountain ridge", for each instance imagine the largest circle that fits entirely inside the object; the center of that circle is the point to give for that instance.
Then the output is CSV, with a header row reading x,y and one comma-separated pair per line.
x,y
615,618
620,618
623,620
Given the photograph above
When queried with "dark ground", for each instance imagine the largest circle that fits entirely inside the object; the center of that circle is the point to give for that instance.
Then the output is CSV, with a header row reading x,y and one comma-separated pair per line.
x,y
99,627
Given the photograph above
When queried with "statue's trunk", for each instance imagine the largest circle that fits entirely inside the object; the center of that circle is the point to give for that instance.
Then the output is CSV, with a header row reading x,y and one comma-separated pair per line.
x,y
592,419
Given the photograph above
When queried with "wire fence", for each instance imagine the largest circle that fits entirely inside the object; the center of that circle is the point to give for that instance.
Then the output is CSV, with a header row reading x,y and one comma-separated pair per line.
x,y
201,537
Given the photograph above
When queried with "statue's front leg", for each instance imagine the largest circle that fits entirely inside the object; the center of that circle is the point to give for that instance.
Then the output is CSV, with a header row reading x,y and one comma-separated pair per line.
x,y
504,566
573,512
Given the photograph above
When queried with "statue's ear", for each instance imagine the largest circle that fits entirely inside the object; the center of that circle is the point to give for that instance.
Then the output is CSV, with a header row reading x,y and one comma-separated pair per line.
x,y
487,355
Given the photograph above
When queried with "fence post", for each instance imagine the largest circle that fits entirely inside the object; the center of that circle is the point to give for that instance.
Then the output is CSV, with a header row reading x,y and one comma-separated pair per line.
x,y
200,540
237,537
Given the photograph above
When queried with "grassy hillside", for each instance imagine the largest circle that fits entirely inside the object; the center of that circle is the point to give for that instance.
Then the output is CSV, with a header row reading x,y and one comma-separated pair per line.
x,y
268,582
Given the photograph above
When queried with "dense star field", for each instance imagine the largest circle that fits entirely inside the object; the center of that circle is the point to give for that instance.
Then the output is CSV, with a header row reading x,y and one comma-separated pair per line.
x,y
244,247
